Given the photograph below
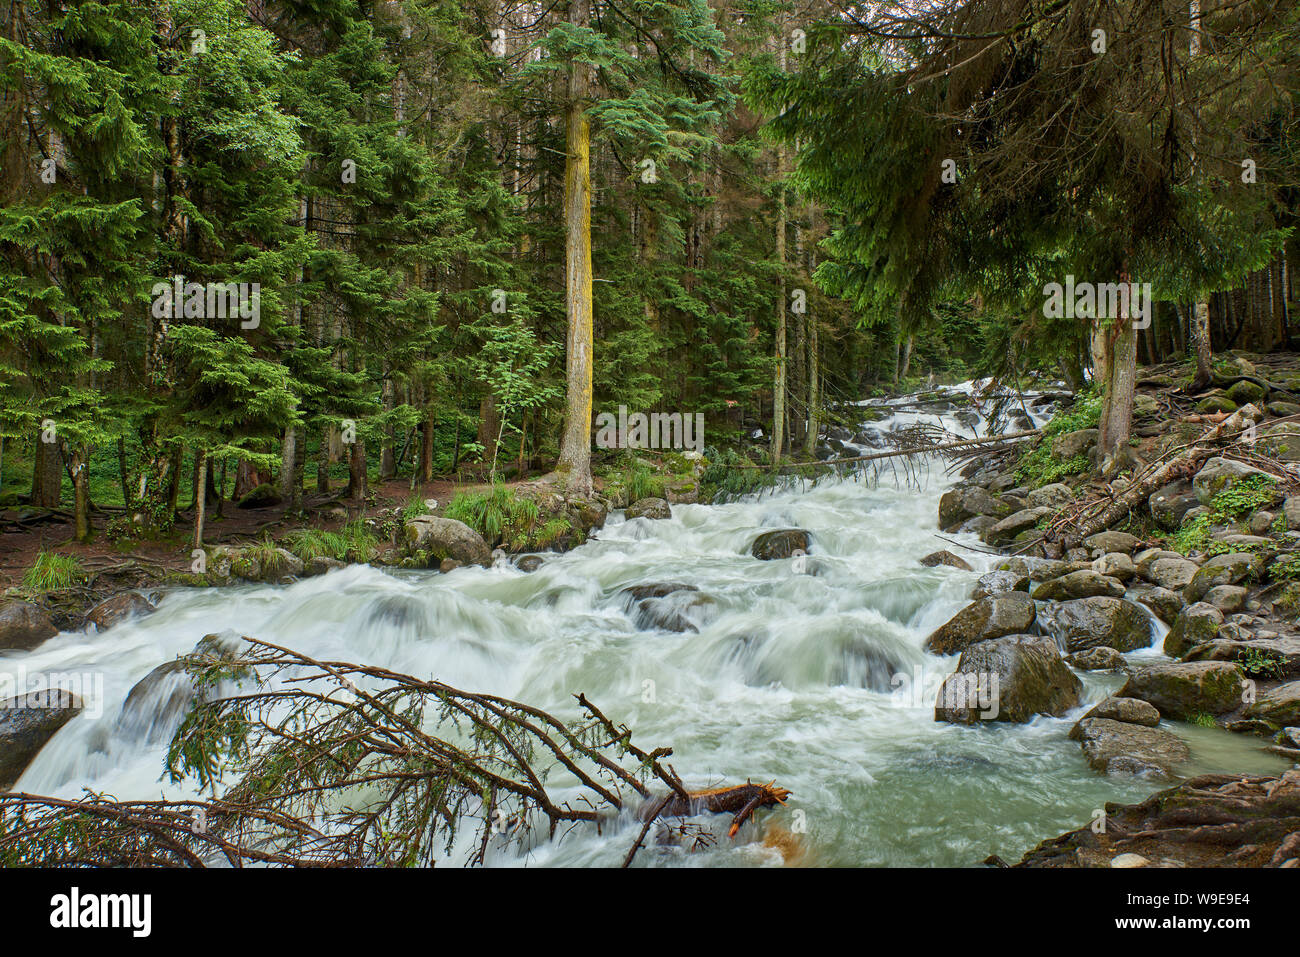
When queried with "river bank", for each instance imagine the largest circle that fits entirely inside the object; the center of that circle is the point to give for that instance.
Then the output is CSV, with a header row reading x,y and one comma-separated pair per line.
x,y
703,627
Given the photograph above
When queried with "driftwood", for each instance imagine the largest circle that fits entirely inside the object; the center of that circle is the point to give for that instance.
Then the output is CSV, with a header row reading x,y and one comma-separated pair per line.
x,y
740,801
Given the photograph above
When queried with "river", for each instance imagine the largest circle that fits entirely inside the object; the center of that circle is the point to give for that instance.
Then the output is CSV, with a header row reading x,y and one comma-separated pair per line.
x,y
800,673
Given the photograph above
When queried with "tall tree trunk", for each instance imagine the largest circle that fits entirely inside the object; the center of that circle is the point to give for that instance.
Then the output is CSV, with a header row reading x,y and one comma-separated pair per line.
x,y
575,447
77,459
426,448
47,474
357,471
779,373
200,500
1200,325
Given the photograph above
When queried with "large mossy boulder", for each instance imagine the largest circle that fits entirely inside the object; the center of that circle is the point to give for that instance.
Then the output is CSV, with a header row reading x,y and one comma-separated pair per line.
x,y
783,543
1185,690
441,538
667,606
1070,445
1012,679
1169,504
992,617
23,626
1219,474
27,723
260,496
1100,621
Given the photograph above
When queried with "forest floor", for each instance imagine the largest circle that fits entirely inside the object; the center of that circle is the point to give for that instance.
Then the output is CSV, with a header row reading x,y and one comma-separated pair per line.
x,y
22,540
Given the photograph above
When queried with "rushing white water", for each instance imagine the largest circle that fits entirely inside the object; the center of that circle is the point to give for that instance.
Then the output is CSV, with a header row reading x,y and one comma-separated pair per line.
x,y
791,677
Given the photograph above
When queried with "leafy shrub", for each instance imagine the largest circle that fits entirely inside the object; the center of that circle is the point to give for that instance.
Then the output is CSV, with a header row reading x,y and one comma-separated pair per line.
x,y
493,514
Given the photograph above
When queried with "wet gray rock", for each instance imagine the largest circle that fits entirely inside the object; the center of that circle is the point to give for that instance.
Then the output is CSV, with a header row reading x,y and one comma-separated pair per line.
x,y
156,704
529,563
1024,520
780,544
1080,584
1101,621
27,722
1100,658
1184,690
1130,710
118,608
1011,679
992,617
23,626
1119,747
945,558
667,606
1195,624
1161,602
654,508
965,502
999,583
447,538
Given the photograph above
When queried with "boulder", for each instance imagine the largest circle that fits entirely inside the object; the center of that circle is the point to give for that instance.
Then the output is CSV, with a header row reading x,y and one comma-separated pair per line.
x,y
1227,598
1012,678
447,538
667,606
1246,392
23,626
322,564
1081,584
1100,658
27,723
780,544
1109,541
1195,624
965,502
1169,504
1218,474
655,508
156,704
1129,710
260,496
945,558
1161,602
1278,706
1187,689
1172,573
1070,444
999,583
110,611
529,563
992,617
1011,526
1272,657
1291,512
1115,565
1100,621
1227,569
1120,747
1052,496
